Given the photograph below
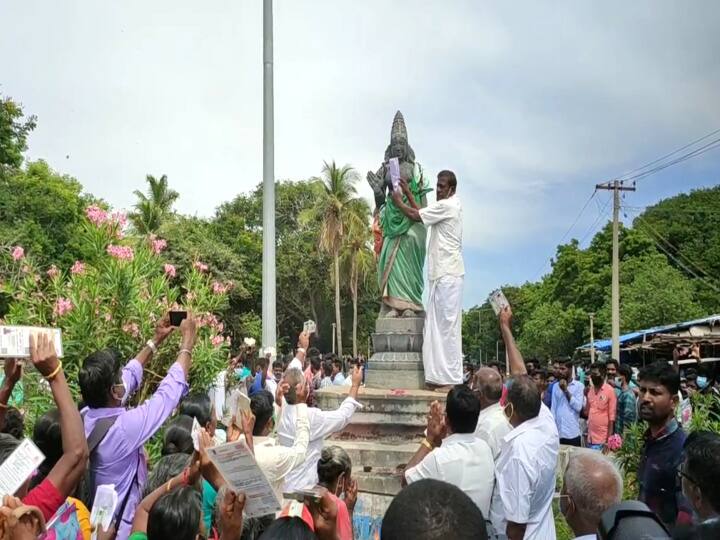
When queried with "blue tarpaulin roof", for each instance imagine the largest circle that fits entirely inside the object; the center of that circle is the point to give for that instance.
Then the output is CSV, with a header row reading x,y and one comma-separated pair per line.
x,y
632,337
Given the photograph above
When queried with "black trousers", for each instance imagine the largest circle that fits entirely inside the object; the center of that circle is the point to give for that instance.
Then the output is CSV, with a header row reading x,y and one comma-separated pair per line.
x,y
577,441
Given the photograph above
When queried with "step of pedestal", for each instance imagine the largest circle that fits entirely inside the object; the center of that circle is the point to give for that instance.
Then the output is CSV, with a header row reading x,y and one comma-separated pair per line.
x,y
390,370
400,325
394,414
397,342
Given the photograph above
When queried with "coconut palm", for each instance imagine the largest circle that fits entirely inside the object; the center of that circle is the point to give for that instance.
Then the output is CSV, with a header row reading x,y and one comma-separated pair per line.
x,y
152,209
358,257
338,210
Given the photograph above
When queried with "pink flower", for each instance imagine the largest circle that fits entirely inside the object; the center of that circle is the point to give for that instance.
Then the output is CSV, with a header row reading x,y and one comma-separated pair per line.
x,y
107,317
158,245
190,296
120,218
62,306
217,341
170,270
614,442
131,328
219,288
78,268
53,272
201,267
124,253
18,253
96,215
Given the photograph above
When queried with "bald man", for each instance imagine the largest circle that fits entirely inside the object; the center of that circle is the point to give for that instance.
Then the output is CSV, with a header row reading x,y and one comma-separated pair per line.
x,y
492,423
591,485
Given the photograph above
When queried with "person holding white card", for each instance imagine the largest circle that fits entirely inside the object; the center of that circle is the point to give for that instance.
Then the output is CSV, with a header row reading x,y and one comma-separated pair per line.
x,y
442,346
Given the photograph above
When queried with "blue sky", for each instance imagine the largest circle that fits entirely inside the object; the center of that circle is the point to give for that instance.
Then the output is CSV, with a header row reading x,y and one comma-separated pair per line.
x,y
530,103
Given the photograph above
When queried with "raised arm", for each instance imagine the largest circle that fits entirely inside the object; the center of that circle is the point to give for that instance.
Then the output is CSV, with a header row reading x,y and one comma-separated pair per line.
x,y
517,364
67,472
13,373
162,331
409,211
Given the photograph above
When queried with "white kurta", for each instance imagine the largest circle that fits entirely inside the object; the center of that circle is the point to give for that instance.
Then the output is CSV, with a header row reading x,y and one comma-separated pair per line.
x,y
442,346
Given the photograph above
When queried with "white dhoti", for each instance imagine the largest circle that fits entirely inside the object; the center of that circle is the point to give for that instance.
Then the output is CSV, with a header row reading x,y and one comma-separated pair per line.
x,y
442,337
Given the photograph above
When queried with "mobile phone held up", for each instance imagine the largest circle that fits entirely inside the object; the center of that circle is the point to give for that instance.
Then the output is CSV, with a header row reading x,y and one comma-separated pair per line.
x,y
176,317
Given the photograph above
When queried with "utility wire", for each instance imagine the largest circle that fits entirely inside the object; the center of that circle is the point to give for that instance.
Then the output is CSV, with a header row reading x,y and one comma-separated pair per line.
x,y
712,145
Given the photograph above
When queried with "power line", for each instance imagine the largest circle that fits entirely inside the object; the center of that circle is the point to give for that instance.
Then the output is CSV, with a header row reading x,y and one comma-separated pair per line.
x,y
672,210
670,154
602,212
712,145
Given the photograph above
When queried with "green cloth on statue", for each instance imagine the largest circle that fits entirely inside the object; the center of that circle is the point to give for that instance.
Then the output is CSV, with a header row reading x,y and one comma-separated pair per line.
x,y
401,261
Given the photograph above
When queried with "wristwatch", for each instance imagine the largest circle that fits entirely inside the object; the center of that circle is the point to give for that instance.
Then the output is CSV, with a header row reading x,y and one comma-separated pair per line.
x,y
150,343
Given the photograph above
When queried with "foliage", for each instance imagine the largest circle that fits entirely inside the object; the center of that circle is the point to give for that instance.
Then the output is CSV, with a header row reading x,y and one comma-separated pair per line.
x,y
153,209
113,299
14,130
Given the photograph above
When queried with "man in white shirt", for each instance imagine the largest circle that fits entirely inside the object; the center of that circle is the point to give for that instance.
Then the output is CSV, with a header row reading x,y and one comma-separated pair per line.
x,y
525,470
452,453
322,425
492,424
442,345
591,485
566,403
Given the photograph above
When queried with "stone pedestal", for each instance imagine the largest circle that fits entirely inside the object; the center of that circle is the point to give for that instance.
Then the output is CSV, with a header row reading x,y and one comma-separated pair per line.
x,y
397,361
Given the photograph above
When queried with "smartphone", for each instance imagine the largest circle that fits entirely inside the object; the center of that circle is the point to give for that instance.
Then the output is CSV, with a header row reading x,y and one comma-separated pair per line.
x,y
302,495
176,317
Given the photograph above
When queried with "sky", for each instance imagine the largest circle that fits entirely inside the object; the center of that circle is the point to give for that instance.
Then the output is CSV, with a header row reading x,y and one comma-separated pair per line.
x,y
530,103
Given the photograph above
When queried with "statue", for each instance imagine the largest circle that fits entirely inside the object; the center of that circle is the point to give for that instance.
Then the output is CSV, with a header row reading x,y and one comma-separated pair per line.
x,y
401,250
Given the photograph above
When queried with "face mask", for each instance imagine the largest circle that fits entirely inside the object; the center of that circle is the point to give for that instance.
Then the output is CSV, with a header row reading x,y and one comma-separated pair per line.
x,y
702,382
618,381
466,377
597,381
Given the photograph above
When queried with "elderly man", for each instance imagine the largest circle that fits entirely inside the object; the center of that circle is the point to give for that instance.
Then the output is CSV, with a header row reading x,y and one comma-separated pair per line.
x,y
591,485
492,424
322,425
525,470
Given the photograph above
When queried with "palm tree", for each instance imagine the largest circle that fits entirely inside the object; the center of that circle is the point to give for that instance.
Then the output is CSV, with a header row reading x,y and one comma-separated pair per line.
x,y
152,209
338,210
358,255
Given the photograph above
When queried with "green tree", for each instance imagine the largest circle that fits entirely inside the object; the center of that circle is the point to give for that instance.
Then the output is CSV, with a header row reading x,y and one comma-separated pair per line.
x,y
339,209
152,210
14,130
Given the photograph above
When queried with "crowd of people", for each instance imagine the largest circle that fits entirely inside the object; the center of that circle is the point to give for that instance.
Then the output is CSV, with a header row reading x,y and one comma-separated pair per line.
x,y
486,468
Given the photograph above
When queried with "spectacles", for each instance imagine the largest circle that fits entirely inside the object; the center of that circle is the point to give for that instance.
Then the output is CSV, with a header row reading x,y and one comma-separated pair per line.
x,y
682,474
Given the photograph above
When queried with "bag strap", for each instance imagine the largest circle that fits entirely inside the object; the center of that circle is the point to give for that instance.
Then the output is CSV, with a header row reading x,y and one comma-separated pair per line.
x,y
99,432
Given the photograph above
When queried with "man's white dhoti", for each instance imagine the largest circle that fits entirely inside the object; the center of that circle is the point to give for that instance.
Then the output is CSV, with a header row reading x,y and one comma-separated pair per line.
x,y
442,340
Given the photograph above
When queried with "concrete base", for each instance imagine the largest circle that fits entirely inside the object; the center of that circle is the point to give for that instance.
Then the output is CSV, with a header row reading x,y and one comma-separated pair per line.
x,y
397,362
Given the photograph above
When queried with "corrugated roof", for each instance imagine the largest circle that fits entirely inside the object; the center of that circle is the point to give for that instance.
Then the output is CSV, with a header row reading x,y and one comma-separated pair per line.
x,y
606,344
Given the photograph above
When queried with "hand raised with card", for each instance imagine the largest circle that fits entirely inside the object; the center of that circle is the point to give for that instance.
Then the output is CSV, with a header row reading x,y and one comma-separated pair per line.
x,y
43,355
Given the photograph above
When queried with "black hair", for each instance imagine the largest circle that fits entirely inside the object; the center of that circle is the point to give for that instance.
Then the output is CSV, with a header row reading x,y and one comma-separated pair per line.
x,y
463,409
524,395
542,372
600,366
175,515
199,406
261,405
663,373
702,459
333,462
48,438
451,178
178,436
14,423
315,363
565,361
277,364
433,510
288,528
339,363
167,467
327,369
612,361
8,444
625,371
99,372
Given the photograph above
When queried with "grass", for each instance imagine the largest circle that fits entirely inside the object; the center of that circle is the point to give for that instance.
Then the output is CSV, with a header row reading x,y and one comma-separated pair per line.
x,y
562,529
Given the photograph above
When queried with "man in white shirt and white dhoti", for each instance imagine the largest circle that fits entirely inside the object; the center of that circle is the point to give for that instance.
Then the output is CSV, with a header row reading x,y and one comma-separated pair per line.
x,y
442,346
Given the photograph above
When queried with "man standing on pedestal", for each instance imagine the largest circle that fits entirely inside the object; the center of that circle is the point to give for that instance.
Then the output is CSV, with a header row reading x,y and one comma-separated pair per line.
x,y
442,346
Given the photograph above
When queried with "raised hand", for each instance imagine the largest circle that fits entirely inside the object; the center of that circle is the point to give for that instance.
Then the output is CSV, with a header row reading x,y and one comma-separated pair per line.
x,y
189,330
13,371
324,515
163,329
43,355
436,428
304,340
231,514
351,493
505,317
357,375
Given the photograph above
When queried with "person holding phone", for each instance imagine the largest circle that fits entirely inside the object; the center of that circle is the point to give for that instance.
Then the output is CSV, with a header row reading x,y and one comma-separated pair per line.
x,y
116,435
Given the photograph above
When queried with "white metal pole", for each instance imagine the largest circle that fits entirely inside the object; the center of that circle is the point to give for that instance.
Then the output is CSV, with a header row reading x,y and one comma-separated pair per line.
x,y
268,265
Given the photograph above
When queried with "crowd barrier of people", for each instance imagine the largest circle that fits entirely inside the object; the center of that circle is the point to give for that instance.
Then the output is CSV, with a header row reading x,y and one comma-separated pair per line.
x,y
486,468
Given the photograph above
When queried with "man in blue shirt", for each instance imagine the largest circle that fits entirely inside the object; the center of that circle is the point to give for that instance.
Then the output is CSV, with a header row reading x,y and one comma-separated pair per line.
x,y
567,402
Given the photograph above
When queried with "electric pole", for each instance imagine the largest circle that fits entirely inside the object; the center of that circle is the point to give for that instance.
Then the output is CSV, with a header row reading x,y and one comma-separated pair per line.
x,y
616,187
269,330
592,338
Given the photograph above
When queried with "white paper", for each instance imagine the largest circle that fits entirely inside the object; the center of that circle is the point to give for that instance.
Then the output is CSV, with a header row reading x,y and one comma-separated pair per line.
x,y
195,434
243,404
309,327
242,473
394,165
15,340
498,301
19,466
104,505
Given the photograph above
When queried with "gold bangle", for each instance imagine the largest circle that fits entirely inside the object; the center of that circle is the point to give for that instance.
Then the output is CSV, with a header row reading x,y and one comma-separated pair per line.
x,y
427,444
55,373
185,351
